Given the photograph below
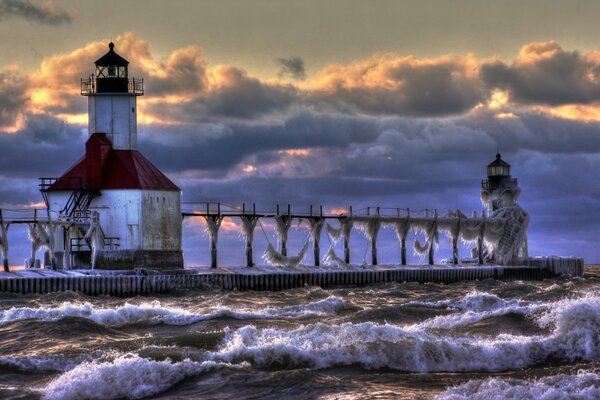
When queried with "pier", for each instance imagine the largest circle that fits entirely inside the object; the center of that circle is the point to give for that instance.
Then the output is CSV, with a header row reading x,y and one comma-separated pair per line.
x,y
144,282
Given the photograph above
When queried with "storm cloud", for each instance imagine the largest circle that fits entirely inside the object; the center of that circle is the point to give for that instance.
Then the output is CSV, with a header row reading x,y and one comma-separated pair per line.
x,y
390,131
544,73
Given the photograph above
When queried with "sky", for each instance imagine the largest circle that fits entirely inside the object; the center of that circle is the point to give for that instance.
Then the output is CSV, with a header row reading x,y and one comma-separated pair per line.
x,y
337,103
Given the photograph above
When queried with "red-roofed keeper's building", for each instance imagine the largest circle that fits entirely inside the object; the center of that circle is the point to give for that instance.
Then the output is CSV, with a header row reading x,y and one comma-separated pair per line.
x,y
126,213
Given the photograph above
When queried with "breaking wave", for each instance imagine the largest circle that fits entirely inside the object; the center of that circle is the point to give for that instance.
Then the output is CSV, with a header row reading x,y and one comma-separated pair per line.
x,y
155,313
42,364
575,336
127,376
474,301
583,385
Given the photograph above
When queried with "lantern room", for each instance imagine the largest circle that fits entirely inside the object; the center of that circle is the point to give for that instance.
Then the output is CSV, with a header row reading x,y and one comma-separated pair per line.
x,y
111,72
498,167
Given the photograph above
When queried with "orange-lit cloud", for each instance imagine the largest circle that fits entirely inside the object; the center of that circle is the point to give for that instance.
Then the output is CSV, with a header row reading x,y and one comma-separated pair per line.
x,y
296,152
182,90
401,85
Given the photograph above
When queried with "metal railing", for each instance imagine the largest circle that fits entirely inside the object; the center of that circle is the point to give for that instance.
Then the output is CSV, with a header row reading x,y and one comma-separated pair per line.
x,y
489,186
89,86
79,244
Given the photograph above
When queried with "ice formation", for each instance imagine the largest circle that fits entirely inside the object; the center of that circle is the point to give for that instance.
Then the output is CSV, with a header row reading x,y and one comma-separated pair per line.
x,y
248,226
213,223
275,258
95,237
41,236
316,226
4,239
343,232
282,226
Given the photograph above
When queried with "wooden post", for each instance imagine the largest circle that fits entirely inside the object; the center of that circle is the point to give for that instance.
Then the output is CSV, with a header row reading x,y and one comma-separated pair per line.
x,y
374,246
213,253
455,251
316,243
249,258
430,255
455,242
347,245
317,251
283,240
403,241
480,240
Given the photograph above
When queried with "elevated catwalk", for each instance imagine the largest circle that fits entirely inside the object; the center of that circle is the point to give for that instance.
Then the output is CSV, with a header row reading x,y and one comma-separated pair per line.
x,y
142,282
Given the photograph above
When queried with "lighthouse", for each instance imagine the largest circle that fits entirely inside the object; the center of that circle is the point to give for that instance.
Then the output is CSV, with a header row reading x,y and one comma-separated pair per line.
x,y
121,211
499,193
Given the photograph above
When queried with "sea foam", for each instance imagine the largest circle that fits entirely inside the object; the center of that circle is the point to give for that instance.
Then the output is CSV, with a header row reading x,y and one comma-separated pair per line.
x,y
127,376
155,313
584,385
574,325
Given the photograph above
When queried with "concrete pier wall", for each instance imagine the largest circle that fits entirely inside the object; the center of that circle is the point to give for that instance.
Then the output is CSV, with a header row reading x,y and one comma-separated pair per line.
x,y
127,284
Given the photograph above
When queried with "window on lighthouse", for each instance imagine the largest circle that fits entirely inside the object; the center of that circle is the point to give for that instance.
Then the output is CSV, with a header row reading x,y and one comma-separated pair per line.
x,y
111,71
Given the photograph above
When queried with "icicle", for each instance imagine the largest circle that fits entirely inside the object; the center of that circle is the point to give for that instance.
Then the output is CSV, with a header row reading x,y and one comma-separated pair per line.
x,y
471,229
401,227
331,259
39,238
67,252
274,258
213,223
427,226
316,226
335,234
369,226
248,226
449,223
4,239
95,236
282,226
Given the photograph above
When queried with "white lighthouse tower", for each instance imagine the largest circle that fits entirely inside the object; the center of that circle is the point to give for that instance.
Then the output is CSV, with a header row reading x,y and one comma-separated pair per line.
x,y
124,212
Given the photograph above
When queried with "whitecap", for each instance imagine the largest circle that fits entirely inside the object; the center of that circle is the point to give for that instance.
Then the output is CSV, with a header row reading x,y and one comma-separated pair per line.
x,y
127,376
583,385
155,313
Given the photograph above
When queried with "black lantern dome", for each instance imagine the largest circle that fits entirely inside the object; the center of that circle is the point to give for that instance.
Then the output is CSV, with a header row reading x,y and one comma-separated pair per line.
x,y
498,168
111,72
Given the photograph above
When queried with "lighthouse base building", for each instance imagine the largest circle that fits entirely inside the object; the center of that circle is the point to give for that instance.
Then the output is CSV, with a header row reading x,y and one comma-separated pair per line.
x,y
121,211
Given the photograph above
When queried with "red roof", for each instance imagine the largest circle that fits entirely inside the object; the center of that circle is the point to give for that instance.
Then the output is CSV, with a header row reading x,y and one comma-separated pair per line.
x,y
103,167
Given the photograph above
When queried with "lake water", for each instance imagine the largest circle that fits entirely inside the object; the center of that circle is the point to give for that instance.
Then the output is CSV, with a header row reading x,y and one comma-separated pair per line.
x,y
467,340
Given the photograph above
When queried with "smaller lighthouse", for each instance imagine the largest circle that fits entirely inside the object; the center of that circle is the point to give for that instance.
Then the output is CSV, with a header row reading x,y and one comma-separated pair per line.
x,y
499,193
124,212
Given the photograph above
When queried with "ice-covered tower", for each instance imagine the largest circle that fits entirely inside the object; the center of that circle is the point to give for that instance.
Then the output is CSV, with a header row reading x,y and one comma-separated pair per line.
x,y
499,193
499,189
125,213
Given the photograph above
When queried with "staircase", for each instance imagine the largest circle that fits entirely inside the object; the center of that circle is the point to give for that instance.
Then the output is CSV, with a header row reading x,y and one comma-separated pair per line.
x,y
79,200
513,235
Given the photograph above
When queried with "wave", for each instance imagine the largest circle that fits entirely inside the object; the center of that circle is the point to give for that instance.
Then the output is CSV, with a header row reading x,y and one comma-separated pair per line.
x,y
475,307
127,376
575,336
42,364
474,301
155,313
583,385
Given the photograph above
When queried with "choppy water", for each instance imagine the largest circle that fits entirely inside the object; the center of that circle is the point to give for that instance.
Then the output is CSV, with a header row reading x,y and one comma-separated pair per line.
x,y
482,340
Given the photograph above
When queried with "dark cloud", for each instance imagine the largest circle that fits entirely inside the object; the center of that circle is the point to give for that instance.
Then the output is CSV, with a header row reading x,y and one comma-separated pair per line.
x,y
393,85
45,147
544,73
12,97
47,13
292,67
